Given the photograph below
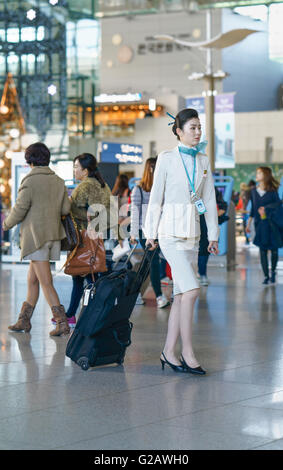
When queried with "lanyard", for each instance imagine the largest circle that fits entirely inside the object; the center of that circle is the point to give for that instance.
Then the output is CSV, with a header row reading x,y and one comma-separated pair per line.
x,y
192,182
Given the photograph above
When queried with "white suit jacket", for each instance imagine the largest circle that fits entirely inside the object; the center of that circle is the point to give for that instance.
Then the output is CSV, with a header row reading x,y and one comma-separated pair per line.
x,y
170,211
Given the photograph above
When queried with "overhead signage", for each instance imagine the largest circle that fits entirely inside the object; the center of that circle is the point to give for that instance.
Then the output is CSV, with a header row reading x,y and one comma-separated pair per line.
x,y
124,98
224,124
155,46
113,152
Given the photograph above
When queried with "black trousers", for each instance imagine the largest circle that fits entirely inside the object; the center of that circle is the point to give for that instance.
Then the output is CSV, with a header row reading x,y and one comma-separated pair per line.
x,y
264,260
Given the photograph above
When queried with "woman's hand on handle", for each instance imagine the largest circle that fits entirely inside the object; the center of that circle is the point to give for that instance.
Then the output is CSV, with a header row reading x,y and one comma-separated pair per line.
x,y
152,243
213,248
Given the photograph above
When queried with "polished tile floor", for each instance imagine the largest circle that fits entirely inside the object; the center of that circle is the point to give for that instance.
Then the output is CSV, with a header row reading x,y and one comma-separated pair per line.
x,y
48,402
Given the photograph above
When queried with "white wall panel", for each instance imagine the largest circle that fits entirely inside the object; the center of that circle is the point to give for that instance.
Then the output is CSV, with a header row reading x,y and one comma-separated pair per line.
x,y
154,71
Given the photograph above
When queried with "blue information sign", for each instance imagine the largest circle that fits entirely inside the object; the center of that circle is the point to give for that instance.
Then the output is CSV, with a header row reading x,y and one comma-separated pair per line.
x,y
113,152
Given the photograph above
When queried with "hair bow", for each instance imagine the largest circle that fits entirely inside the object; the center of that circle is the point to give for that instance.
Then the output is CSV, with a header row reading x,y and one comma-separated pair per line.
x,y
173,117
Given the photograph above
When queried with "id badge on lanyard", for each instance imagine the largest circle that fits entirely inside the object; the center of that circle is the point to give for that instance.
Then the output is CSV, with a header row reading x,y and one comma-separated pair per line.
x,y
198,202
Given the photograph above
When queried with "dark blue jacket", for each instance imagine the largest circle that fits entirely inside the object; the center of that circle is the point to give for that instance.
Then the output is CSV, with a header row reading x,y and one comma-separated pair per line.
x,y
269,231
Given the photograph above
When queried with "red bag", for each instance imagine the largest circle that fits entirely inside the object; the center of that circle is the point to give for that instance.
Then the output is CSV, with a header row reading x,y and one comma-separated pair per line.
x,y
168,271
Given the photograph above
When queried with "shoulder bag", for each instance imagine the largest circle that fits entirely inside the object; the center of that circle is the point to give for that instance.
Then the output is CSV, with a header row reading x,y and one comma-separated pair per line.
x,y
72,238
88,257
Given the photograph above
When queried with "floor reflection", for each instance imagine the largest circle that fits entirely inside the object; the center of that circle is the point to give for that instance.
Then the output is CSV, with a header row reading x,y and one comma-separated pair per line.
x,y
49,402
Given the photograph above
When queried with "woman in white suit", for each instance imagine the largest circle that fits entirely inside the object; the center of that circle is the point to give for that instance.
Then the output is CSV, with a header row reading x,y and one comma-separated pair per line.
x,y
183,188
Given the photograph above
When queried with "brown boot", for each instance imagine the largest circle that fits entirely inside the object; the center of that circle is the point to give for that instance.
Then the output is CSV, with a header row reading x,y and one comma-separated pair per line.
x,y
62,325
23,322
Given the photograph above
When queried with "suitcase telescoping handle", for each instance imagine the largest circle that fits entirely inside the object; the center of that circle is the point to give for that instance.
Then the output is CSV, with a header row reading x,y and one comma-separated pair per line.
x,y
128,257
143,270
146,250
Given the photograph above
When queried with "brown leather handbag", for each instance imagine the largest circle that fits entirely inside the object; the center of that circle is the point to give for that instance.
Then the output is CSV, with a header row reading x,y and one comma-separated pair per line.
x,y
72,238
88,257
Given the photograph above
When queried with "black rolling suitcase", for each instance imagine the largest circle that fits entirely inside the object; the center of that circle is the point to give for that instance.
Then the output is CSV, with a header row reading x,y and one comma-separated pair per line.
x,y
103,330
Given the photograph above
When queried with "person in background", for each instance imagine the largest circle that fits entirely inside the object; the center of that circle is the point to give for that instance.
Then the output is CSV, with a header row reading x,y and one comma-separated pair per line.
x,y
92,189
122,191
139,202
42,200
203,254
242,206
166,280
235,197
265,198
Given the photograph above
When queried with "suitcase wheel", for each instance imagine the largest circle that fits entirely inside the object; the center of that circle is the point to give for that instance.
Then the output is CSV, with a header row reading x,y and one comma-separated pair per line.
x,y
83,362
120,360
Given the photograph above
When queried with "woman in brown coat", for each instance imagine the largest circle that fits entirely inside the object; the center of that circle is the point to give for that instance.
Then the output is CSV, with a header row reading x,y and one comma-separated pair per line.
x,y
42,200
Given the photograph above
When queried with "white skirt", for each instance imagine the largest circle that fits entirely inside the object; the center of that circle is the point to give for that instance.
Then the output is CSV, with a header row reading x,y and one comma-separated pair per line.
x,y
182,256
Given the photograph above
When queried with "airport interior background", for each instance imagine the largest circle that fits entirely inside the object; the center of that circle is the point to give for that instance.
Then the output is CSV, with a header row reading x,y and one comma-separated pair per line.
x,y
100,77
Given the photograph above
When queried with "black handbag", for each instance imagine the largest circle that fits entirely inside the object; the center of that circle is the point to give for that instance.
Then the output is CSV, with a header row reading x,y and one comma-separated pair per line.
x,y
72,238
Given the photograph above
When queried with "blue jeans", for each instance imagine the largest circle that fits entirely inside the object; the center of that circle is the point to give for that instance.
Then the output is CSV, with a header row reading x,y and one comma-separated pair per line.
x,y
154,269
162,264
77,293
202,264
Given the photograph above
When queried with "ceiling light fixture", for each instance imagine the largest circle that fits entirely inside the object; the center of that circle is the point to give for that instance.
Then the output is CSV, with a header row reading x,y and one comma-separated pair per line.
x,y
4,109
52,90
31,14
117,39
152,104
14,133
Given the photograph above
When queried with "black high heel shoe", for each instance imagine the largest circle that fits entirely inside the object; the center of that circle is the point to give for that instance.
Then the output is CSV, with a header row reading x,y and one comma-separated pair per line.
x,y
192,370
173,366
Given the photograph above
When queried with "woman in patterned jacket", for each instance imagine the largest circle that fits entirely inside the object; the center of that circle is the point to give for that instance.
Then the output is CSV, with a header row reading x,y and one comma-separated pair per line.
x,y
91,190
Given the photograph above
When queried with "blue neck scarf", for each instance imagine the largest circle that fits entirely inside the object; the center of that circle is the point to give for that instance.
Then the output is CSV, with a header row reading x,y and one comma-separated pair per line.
x,y
199,148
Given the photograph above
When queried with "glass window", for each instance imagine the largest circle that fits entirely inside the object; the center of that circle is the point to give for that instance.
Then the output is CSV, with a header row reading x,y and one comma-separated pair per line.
x,y
41,58
2,65
257,12
40,33
13,35
13,62
28,34
28,61
275,32
83,45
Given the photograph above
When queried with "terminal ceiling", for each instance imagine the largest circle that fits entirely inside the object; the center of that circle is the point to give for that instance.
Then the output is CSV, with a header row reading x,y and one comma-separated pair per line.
x,y
74,9
102,8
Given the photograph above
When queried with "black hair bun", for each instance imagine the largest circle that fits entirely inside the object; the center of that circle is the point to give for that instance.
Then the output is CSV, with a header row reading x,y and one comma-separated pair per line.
x,y
174,128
